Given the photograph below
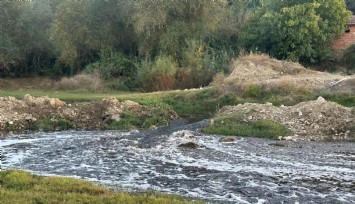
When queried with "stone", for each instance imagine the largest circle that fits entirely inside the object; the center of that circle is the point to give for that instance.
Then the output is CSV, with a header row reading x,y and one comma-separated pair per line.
x,y
321,100
116,117
190,145
29,117
56,103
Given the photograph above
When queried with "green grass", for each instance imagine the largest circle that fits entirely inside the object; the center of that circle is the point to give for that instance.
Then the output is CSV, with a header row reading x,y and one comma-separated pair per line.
x,y
47,125
235,125
127,122
22,187
347,100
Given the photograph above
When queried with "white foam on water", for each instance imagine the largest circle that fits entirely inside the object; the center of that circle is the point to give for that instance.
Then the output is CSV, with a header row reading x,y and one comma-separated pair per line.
x,y
236,160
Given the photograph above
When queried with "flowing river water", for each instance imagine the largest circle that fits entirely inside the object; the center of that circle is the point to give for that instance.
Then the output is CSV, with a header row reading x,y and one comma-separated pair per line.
x,y
248,170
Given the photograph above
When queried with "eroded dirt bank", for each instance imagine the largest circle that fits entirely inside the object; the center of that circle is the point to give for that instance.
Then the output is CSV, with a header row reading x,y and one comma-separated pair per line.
x,y
28,113
312,120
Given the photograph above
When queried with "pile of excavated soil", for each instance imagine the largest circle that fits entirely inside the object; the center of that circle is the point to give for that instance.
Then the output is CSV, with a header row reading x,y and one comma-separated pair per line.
x,y
312,121
20,115
272,73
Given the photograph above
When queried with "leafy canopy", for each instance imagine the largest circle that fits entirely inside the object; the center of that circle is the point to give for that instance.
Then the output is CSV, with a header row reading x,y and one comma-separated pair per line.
x,y
297,30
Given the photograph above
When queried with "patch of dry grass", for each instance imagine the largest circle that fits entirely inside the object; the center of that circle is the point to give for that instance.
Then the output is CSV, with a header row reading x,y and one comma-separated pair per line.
x,y
81,82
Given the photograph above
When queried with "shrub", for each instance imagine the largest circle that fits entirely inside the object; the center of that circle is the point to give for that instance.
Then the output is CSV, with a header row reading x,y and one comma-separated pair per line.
x,y
235,125
47,125
44,125
127,122
159,75
253,91
117,69
348,59
82,82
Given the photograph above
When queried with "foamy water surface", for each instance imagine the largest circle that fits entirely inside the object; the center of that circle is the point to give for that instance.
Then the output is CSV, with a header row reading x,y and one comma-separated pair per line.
x,y
249,170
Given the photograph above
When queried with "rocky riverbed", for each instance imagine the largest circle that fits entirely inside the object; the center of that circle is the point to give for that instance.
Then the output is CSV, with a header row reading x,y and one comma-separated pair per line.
x,y
247,170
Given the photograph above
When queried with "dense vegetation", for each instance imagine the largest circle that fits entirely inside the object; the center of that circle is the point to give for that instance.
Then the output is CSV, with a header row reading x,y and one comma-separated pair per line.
x,y
160,45
22,187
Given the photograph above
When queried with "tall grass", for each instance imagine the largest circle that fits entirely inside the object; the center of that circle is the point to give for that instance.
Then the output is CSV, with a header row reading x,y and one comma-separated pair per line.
x,y
18,187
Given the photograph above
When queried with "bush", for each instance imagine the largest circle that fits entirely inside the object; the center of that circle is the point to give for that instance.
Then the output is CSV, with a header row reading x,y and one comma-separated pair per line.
x,y
159,75
235,125
253,91
82,82
348,59
117,69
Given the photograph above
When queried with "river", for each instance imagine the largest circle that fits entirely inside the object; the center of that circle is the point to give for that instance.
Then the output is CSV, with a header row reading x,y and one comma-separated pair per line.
x,y
248,170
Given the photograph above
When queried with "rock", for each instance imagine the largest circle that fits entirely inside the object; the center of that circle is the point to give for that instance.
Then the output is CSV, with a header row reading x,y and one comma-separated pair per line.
x,y
116,117
153,127
321,100
185,133
278,144
29,117
287,138
190,145
228,139
56,103
10,122
211,121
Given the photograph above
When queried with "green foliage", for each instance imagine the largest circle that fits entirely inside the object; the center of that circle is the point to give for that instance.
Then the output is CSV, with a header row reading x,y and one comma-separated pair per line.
x,y
117,69
348,58
21,187
128,121
295,30
44,125
235,125
347,100
159,75
48,125
64,124
253,91
350,5
24,37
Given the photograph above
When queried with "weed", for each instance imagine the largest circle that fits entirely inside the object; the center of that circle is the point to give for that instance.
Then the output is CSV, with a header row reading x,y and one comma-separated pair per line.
x,y
64,124
235,125
21,187
128,121
347,100
48,125
44,125
253,91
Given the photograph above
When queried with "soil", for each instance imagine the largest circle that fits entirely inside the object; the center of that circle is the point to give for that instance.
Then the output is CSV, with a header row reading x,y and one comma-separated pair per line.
x,y
21,115
313,120
272,73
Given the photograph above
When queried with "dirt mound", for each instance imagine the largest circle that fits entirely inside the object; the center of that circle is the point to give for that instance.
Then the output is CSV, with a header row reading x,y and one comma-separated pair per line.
x,y
312,120
272,73
20,115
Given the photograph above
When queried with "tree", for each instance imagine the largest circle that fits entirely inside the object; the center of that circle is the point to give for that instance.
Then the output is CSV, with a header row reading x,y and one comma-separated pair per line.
x,y
350,4
298,30
25,29
84,30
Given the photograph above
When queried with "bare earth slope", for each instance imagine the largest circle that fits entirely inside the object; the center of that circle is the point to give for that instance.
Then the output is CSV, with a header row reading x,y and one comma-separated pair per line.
x,y
312,120
262,70
20,115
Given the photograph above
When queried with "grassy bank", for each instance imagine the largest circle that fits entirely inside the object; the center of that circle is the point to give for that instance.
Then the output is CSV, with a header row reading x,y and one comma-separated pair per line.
x,y
194,104
235,125
21,187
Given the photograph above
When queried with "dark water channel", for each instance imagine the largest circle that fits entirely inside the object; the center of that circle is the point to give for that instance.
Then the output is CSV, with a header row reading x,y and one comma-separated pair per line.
x,y
249,170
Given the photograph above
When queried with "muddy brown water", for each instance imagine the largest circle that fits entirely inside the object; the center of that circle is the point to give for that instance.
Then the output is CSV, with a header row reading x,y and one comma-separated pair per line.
x,y
249,170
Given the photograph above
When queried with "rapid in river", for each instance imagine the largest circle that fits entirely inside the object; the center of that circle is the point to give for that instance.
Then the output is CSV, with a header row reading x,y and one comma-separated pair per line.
x,y
248,170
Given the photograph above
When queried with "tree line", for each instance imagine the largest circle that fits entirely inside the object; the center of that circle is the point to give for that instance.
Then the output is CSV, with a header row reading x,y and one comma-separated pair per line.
x,y
161,44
